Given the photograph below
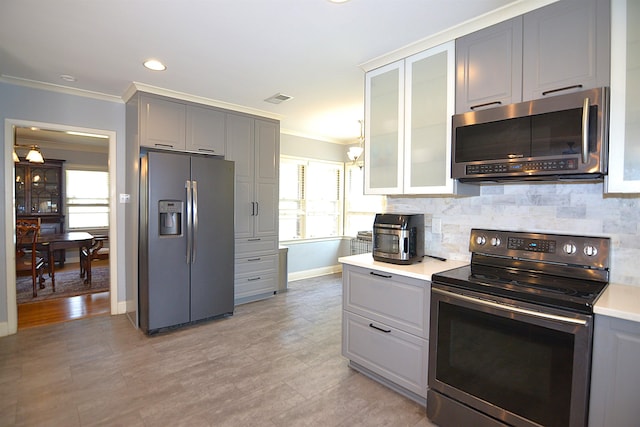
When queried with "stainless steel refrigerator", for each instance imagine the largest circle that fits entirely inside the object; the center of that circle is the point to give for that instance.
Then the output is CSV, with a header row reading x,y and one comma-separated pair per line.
x,y
186,241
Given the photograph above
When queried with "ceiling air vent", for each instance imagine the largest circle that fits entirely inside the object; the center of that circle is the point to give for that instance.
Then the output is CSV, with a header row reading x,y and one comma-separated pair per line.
x,y
278,98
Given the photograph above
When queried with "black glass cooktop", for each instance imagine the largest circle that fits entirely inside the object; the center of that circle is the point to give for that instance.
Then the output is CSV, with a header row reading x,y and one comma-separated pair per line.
x,y
533,287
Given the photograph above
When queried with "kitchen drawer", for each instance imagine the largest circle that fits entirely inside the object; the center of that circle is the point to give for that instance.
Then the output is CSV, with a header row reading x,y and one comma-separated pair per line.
x,y
247,286
393,354
255,264
395,300
256,245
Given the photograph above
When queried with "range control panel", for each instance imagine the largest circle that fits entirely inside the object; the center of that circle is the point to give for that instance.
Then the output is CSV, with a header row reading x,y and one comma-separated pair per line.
x,y
561,248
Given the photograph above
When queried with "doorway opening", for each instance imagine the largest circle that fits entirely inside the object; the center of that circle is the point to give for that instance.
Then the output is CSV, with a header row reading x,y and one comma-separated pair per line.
x,y
91,149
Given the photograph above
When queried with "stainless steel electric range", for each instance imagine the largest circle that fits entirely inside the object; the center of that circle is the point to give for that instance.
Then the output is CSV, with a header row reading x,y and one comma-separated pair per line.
x,y
511,333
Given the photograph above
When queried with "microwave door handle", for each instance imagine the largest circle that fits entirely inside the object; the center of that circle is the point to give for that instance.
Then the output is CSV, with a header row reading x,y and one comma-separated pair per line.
x,y
585,131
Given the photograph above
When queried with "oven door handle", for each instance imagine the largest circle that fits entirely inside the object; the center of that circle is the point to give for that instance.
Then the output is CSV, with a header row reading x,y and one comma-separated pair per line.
x,y
519,310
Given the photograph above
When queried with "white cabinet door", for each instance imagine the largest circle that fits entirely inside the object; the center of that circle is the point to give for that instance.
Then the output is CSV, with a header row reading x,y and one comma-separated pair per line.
x,y
162,123
429,105
489,67
624,133
408,106
384,122
566,48
205,130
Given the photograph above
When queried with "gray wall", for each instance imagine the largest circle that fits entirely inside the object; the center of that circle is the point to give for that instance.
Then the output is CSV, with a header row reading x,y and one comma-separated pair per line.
x,y
569,208
29,104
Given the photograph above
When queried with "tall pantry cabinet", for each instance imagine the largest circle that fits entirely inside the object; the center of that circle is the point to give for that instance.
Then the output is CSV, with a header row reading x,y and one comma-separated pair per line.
x,y
254,145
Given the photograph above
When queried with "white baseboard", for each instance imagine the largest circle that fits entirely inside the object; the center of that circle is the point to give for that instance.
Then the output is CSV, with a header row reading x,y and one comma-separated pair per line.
x,y
4,329
316,272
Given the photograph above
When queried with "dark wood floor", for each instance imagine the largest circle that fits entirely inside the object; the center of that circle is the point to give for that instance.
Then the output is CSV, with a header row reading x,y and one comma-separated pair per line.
x,y
63,309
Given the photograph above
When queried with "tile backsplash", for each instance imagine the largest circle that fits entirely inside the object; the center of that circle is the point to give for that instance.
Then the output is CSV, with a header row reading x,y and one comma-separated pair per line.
x,y
567,208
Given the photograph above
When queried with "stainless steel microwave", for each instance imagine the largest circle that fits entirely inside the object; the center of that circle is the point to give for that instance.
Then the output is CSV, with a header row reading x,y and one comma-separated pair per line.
x,y
398,238
563,137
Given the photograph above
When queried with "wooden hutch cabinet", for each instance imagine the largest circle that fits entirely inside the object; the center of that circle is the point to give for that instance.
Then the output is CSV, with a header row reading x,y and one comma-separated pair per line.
x,y
40,194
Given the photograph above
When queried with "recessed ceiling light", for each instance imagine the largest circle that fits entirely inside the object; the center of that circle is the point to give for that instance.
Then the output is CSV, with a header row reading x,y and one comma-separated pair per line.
x,y
154,64
338,1
68,78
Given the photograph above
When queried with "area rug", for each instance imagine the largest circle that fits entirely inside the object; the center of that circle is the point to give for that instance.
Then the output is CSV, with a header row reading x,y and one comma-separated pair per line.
x,y
68,284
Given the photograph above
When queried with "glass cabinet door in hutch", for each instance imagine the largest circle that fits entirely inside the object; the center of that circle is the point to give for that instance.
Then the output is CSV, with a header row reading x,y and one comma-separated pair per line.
x,y
39,194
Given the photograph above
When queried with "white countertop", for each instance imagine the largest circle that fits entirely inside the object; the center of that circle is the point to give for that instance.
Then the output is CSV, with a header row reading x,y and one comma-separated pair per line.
x,y
421,270
620,301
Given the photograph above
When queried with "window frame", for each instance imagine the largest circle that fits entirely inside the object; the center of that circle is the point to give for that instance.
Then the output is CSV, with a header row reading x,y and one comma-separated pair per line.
x,y
67,205
305,203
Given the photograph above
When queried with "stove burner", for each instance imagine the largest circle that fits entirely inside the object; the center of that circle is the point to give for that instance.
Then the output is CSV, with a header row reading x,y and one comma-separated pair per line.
x,y
523,286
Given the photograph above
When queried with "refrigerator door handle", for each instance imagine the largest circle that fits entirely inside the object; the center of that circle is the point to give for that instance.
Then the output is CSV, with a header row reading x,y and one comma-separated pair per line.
x,y
194,238
187,185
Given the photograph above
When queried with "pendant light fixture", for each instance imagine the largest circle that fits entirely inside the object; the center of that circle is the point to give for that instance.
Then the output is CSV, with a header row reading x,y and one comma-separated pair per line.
x,y
356,151
33,156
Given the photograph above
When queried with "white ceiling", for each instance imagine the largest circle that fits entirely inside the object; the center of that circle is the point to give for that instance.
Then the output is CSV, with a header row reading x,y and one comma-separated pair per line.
x,y
234,51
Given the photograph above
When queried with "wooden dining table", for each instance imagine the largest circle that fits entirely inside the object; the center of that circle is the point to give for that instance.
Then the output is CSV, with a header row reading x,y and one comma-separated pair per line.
x,y
72,239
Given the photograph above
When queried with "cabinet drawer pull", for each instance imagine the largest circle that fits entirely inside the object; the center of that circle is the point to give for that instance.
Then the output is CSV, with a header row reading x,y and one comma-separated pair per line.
x,y
206,150
253,259
486,104
163,145
253,240
373,273
253,279
560,89
386,331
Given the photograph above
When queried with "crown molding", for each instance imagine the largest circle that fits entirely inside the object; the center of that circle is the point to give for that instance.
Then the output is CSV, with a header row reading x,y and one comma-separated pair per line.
x,y
143,87
509,11
34,84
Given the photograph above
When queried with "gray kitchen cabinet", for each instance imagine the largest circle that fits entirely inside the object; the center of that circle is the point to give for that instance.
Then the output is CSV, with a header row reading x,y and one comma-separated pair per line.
x,y
566,47
489,67
174,125
205,130
385,327
408,111
162,123
556,49
253,144
615,377
624,121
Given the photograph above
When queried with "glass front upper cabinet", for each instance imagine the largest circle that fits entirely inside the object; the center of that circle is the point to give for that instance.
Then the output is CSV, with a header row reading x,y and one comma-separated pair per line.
x,y
624,132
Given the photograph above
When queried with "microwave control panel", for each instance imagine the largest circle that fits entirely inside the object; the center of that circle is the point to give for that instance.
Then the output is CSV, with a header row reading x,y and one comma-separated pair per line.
x,y
523,166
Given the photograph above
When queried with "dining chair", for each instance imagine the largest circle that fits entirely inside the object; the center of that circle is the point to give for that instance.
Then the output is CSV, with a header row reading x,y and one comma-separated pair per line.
x,y
96,251
27,256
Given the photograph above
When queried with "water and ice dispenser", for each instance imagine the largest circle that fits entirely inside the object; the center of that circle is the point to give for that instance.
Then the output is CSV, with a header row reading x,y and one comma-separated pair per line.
x,y
170,212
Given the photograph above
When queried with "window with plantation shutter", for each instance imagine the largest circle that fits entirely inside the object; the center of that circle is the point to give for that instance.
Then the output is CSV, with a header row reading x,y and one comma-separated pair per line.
x,y
310,198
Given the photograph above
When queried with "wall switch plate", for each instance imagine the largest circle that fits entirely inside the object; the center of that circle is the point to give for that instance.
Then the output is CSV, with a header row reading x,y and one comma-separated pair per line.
x,y
436,226
125,198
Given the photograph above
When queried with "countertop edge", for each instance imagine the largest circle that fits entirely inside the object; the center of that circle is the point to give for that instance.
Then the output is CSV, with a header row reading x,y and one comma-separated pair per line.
x,y
422,270
619,301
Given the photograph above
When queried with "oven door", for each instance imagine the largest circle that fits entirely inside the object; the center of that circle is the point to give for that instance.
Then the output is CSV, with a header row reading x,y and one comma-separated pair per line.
x,y
511,363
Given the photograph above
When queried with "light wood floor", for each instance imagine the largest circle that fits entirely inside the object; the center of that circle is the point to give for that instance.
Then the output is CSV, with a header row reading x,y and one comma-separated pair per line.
x,y
64,309
274,363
